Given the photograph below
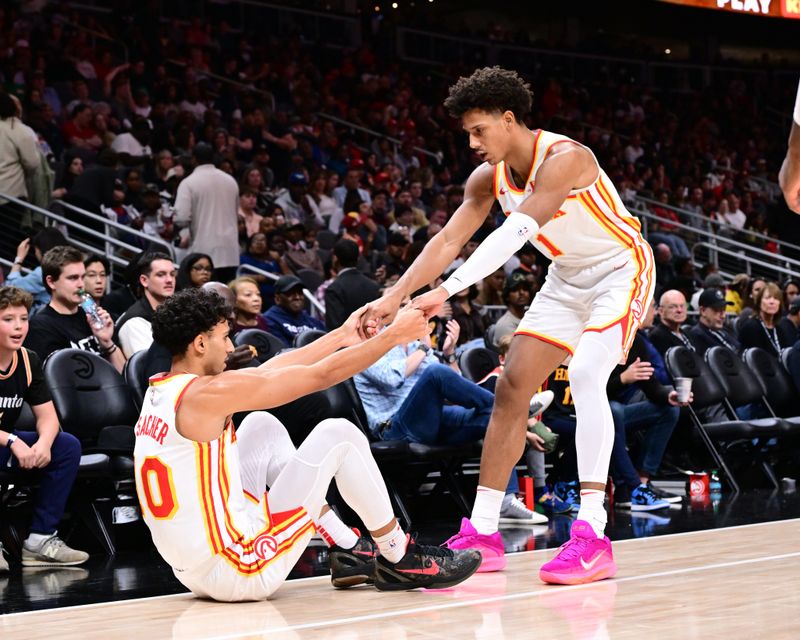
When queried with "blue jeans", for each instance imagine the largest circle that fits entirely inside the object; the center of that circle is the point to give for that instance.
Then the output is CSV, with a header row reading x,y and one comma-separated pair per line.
x,y
675,243
659,422
426,419
57,478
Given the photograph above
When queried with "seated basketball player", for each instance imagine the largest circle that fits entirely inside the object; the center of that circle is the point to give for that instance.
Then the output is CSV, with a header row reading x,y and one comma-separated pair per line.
x,y
202,485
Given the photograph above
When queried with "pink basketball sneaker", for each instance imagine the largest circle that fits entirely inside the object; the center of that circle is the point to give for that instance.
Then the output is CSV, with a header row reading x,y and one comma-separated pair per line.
x,y
491,547
582,558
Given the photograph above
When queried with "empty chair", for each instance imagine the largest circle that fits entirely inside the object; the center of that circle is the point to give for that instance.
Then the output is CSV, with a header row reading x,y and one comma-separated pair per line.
x,y
780,396
682,362
790,358
477,363
307,337
265,343
92,400
488,338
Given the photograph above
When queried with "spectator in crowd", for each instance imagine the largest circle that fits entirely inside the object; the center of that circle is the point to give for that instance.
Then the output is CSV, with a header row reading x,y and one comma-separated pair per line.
x,y
710,330
491,293
95,278
323,206
62,324
390,263
517,297
669,333
258,255
194,271
54,453
351,289
208,202
665,270
791,289
736,292
301,254
78,131
471,322
42,242
133,148
73,167
642,398
408,395
247,305
763,329
247,210
789,325
98,186
288,317
351,186
157,280
295,204
19,158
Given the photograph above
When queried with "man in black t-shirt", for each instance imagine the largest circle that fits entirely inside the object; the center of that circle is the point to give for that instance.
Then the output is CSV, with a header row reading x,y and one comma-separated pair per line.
x,y
55,453
62,324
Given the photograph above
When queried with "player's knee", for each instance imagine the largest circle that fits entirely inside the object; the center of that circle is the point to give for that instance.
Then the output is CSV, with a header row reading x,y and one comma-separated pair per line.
x,y
263,425
338,430
510,387
582,375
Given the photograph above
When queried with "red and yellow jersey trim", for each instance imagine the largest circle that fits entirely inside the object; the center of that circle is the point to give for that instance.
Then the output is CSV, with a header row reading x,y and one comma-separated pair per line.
x,y
548,339
217,529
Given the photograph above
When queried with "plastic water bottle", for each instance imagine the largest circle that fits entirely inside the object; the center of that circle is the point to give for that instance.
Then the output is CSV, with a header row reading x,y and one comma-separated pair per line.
x,y
90,307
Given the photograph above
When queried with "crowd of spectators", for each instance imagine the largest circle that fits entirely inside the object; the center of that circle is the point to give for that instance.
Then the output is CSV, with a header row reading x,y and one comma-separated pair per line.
x,y
253,176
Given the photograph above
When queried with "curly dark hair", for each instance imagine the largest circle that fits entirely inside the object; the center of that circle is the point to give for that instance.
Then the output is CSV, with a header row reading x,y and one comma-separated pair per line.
x,y
185,315
492,89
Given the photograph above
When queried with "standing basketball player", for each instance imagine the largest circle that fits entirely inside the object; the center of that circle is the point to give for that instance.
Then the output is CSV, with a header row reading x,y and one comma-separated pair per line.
x,y
202,485
789,176
554,195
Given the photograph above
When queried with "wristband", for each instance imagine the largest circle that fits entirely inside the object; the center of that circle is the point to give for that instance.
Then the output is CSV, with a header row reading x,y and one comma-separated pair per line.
x,y
797,107
424,348
11,440
18,260
107,352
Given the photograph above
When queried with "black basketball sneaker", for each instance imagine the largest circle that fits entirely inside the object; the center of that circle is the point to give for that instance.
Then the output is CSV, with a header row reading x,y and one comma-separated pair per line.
x,y
351,567
426,567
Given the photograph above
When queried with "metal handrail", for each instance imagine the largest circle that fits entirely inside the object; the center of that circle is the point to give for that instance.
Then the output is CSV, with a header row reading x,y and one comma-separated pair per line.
x,y
748,260
316,304
108,223
436,155
645,212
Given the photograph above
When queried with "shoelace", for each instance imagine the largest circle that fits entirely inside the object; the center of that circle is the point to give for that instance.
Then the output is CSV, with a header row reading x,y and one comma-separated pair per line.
x,y
51,546
572,548
429,549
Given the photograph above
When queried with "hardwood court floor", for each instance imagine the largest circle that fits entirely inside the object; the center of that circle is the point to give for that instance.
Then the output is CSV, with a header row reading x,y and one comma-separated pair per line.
x,y
738,582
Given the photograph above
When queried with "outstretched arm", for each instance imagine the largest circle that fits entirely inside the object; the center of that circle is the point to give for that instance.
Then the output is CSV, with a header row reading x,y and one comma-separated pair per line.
x,y
565,167
438,253
210,400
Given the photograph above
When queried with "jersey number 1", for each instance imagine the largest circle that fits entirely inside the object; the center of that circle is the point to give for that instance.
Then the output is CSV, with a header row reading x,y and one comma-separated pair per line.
x,y
157,475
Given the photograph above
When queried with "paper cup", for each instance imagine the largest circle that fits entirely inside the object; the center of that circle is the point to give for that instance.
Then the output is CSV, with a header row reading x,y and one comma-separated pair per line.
x,y
684,388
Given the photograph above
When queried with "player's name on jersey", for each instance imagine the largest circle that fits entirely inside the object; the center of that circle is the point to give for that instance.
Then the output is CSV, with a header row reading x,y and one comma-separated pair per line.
x,y
14,402
152,426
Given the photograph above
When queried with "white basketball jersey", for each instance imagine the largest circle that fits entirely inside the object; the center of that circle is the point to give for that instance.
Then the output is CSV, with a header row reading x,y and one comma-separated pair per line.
x,y
592,225
191,492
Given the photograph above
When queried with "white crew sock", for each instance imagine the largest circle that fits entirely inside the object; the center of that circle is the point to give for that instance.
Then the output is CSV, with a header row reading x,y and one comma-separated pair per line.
x,y
35,540
336,532
486,510
593,511
393,544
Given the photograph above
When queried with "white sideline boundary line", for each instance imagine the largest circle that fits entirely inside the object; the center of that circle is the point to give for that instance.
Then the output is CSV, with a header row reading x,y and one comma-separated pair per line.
x,y
504,598
188,595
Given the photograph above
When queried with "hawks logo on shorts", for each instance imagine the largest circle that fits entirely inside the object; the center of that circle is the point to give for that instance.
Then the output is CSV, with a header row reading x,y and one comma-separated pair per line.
x,y
636,309
265,546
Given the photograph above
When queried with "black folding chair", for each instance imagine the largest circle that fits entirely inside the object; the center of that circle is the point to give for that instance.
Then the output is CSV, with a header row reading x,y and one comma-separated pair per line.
x,y
307,337
477,363
265,343
682,362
